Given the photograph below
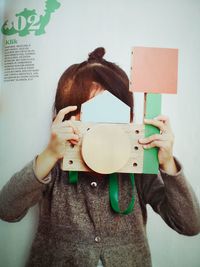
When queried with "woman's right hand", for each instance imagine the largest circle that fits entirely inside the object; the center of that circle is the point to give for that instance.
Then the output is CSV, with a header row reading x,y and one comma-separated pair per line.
x,y
61,132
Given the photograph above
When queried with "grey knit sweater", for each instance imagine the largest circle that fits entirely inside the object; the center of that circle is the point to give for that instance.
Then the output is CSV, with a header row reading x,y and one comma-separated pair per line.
x,y
77,226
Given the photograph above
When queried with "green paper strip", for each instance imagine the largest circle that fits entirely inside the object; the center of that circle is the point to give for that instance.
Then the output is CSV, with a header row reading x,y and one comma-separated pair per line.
x,y
73,177
153,109
114,194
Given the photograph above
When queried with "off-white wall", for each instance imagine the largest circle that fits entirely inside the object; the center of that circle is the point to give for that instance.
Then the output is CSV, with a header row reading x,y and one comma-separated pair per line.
x,y
76,29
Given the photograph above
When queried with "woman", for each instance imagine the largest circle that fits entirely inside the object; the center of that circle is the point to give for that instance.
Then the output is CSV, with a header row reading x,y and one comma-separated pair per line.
x,y
77,226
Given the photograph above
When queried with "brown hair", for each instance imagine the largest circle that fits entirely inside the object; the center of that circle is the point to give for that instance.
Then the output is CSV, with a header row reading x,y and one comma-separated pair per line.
x,y
75,83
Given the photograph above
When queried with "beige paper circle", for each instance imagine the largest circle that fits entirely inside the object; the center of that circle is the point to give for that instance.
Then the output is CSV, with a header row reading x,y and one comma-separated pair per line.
x,y
106,148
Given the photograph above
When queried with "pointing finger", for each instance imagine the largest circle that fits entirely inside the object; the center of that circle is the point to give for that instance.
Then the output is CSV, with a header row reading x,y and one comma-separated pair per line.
x,y
61,114
156,123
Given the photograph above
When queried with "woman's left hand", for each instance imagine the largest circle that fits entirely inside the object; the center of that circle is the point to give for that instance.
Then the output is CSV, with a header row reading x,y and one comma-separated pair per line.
x,y
164,141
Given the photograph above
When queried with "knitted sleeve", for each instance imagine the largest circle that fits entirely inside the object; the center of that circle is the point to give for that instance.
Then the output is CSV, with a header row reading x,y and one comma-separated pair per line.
x,y
21,192
173,198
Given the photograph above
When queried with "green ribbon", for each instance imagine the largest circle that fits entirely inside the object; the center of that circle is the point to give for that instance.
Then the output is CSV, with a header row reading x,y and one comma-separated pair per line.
x,y
113,191
73,177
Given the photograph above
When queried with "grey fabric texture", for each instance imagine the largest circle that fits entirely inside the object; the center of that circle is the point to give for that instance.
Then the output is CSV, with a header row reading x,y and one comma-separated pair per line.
x,y
77,226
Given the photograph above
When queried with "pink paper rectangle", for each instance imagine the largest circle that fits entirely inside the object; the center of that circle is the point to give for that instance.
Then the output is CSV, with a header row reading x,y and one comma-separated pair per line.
x,y
154,70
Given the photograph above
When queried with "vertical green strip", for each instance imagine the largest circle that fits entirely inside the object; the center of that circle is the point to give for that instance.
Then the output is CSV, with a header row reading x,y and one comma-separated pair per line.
x,y
73,177
153,109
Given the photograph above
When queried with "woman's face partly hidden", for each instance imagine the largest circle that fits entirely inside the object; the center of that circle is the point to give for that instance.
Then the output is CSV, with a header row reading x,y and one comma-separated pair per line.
x,y
96,88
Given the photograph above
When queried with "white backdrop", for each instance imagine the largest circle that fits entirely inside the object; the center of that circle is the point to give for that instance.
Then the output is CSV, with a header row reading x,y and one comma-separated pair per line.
x,y
75,29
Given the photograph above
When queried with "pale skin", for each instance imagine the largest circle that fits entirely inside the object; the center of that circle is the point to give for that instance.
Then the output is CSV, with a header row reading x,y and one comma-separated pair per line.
x,y
63,131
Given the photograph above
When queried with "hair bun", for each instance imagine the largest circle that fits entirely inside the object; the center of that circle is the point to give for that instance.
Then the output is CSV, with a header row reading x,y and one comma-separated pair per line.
x,y
97,54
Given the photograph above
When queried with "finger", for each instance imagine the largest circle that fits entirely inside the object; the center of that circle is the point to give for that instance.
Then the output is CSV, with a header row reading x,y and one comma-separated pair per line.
x,y
68,136
70,123
74,137
66,130
73,142
65,123
56,129
76,130
152,138
156,123
163,118
61,114
154,144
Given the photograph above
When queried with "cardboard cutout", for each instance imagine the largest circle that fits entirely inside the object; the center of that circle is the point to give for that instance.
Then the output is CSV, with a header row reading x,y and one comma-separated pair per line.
x,y
154,70
105,108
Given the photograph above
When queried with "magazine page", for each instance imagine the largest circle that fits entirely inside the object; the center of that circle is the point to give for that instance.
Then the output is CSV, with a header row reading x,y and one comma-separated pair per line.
x,y
43,46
